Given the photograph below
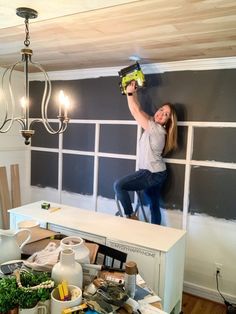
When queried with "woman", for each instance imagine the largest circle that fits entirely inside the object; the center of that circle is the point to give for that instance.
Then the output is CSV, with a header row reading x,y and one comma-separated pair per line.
x,y
159,137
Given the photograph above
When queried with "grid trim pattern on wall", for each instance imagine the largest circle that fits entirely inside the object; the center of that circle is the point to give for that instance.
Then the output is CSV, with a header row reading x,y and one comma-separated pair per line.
x,y
188,161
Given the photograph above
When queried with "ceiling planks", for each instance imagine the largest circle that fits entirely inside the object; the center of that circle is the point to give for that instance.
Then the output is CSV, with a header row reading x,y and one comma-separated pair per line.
x,y
156,30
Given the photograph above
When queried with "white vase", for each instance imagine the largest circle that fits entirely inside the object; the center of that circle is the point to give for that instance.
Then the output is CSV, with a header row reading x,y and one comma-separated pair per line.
x,y
78,245
68,269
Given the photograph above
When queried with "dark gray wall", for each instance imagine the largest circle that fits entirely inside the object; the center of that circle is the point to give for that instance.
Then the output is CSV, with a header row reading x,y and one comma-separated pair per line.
x,y
197,95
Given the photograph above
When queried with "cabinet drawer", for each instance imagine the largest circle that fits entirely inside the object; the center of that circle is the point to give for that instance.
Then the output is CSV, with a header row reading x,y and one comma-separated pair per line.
x,y
74,232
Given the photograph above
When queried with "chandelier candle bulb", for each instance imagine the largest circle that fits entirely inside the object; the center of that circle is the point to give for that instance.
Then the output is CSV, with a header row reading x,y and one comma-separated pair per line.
x,y
64,104
23,103
61,101
67,105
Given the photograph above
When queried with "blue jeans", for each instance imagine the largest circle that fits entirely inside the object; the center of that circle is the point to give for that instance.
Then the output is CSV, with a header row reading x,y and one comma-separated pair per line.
x,y
142,180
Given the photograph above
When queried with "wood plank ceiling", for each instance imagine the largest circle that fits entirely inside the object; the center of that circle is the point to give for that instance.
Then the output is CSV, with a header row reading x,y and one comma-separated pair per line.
x,y
105,33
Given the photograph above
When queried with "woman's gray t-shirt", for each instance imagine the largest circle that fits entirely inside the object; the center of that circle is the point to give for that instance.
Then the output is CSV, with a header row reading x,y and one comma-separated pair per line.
x,y
151,145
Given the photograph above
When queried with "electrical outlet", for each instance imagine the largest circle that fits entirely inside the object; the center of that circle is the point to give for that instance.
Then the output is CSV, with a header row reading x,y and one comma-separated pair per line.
x,y
218,268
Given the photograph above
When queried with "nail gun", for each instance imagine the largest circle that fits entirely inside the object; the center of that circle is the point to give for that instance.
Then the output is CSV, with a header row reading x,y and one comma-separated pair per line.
x,y
131,73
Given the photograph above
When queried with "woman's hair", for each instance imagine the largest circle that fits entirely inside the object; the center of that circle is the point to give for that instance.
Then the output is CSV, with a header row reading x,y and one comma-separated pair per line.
x,y
171,130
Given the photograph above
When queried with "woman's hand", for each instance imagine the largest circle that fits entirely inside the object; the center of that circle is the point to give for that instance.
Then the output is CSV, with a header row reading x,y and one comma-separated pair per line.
x,y
131,87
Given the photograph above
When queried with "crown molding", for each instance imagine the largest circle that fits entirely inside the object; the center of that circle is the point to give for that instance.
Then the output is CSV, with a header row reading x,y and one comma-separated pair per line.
x,y
191,65
185,65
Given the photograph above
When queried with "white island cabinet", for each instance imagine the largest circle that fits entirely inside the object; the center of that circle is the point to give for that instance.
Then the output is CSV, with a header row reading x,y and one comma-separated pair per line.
x,y
158,251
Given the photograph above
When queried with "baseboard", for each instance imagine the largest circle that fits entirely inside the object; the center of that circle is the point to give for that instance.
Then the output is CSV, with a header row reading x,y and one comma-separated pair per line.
x,y
207,293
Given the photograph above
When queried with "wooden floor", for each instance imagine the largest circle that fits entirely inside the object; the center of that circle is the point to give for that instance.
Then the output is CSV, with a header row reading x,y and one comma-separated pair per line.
x,y
195,305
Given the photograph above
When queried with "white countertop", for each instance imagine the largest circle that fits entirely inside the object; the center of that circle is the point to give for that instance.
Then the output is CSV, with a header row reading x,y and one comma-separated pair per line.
x,y
136,232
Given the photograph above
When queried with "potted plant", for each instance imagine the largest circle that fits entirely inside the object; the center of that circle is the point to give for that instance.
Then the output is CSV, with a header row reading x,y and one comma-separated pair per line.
x,y
28,299
8,295
33,287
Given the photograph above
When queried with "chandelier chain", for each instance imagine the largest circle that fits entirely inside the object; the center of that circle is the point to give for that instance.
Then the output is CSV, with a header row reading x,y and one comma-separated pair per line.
x,y
27,36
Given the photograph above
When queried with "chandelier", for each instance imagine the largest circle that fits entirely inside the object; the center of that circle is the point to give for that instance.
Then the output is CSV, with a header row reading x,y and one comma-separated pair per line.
x,y
10,110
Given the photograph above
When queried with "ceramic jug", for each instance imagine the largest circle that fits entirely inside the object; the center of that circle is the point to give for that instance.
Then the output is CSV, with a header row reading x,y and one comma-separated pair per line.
x,y
9,248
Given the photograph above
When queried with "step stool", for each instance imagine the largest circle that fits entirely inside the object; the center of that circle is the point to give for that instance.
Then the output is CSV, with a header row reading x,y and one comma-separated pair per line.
x,y
139,206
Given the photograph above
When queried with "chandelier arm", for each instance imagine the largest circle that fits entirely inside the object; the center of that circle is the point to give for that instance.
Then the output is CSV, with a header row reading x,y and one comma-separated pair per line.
x,y
61,129
2,130
35,121
65,125
5,102
62,119
10,85
45,101
21,122
7,107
